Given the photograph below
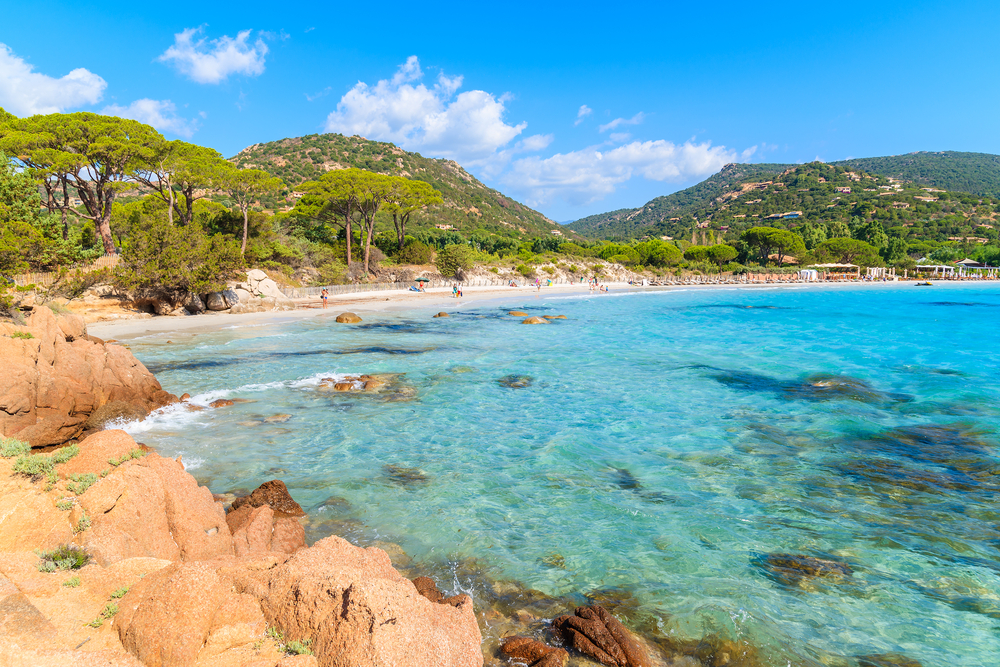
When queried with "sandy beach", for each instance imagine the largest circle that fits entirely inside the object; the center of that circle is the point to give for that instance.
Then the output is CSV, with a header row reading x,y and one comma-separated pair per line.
x,y
395,301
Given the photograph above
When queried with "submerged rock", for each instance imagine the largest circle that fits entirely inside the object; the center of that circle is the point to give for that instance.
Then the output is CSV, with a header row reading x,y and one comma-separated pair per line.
x,y
516,381
532,652
554,317
348,318
597,634
403,476
517,313
221,403
277,419
825,387
887,660
427,588
442,314
535,320
792,569
273,494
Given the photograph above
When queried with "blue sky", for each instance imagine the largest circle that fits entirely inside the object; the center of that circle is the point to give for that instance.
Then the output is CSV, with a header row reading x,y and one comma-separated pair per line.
x,y
575,108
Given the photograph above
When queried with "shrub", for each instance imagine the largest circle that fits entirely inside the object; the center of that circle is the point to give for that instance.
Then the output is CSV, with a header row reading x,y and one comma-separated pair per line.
x,y
65,557
415,252
453,259
110,609
72,582
551,270
10,447
525,270
332,273
27,335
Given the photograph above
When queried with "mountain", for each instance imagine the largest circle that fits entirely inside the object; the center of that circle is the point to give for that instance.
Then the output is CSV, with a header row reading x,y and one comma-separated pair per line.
x,y
468,204
973,173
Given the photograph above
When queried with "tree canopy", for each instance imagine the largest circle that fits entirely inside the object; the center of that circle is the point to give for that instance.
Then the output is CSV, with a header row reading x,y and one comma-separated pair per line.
x,y
847,251
769,241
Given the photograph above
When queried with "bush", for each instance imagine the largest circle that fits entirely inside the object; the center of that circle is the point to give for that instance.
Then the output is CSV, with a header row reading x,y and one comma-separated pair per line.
x,y
549,270
525,270
415,252
81,482
66,453
332,273
454,259
65,557
33,465
27,335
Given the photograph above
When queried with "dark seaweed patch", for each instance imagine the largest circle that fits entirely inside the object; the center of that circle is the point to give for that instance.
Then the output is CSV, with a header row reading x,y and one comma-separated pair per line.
x,y
819,387
968,304
516,381
401,327
793,569
624,479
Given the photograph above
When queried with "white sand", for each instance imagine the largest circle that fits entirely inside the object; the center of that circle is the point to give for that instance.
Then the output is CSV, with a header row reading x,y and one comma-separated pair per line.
x,y
393,301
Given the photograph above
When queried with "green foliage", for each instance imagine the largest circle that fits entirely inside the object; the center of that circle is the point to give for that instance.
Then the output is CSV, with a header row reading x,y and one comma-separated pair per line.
x,y
83,524
65,505
64,454
332,273
64,557
33,465
847,251
136,453
525,270
769,241
120,593
109,611
72,582
415,252
80,482
454,259
27,335
161,256
11,447
294,647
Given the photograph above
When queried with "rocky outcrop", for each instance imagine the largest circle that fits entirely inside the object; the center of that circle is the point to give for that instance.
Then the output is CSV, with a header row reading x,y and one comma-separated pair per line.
x,y
358,611
55,377
597,634
535,320
348,318
275,495
256,294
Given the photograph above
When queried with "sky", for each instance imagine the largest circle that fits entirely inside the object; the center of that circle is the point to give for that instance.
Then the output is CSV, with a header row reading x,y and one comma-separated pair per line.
x,y
572,108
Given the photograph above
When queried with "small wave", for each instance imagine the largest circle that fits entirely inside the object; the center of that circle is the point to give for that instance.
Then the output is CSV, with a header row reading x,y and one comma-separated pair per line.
x,y
192,462
178,415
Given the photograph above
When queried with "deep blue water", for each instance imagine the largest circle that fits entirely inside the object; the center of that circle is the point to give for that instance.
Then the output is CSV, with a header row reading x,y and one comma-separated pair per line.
x,y
666,444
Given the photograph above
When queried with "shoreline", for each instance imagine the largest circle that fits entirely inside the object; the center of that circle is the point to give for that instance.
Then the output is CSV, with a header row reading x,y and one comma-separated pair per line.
x,y
403,301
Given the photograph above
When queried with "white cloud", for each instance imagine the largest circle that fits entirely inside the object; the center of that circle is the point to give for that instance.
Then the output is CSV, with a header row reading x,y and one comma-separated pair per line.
x,y
582,113
468,127
619,137
161,114
634,120
585,176
213,61
24,92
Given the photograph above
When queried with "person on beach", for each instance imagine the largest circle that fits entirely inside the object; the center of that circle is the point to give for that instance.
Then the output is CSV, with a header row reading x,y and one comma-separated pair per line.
x,y
454,291
460,290
324,295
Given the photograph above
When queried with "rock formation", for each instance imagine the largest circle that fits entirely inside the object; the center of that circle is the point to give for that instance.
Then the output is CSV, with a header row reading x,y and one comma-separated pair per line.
x,y
348,318
597,634
535,320
56,377
533,652
175,582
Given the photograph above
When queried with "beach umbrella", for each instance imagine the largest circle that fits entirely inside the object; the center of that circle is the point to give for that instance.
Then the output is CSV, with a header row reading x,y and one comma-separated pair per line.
x,y
422,280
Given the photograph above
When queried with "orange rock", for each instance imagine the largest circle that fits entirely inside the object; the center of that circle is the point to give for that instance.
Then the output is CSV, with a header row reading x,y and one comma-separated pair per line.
x,y
535,320
95,450
53,382
274,494
220,403
359,611
348,318
554,317
517,313
442,314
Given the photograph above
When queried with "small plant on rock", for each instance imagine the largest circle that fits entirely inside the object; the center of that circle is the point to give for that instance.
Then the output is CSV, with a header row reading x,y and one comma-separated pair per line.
x,y
65,504
66,453
72,582
80,482
10,447
120,593
109,611
34,466
22,334
83,524
65,557
136,453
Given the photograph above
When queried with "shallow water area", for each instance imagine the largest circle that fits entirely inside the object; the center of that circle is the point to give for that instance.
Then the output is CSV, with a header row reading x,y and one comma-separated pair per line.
x,y
813,470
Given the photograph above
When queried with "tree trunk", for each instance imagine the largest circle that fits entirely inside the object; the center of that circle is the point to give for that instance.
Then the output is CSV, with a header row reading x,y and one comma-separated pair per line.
x,y
170,208
400,228
104,230
246,226
65,220
347,229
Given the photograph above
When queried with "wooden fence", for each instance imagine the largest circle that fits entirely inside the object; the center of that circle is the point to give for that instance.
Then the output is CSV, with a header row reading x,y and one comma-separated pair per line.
x,y
45,279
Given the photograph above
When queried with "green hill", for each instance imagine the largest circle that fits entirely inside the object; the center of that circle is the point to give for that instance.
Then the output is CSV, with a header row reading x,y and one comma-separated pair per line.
x,y
468,204
973,173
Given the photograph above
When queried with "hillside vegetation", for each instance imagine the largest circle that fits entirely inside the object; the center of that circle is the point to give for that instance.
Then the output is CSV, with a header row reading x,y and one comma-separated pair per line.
x,y
468,204
971,173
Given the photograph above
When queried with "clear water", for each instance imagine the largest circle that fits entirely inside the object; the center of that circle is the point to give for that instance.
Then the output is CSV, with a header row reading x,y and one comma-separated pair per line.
x,y
667,443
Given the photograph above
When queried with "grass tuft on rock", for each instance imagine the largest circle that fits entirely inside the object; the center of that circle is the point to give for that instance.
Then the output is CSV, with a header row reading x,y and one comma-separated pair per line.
x,y
34,466
11,447
80,482
64,454
64,557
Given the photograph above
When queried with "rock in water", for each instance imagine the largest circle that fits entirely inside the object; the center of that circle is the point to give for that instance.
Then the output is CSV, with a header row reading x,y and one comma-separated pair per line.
x,y
273,494
597,634
517,313
426,587
220,403
348,318
442,314
54,381
791,569
554,317
535,320
533,652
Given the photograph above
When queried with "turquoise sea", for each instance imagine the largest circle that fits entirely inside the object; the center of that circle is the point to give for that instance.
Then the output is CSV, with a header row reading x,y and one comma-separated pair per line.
x,y
680,451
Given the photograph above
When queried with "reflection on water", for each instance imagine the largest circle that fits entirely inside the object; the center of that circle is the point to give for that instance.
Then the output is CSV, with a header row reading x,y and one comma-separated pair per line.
x,y
748,477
